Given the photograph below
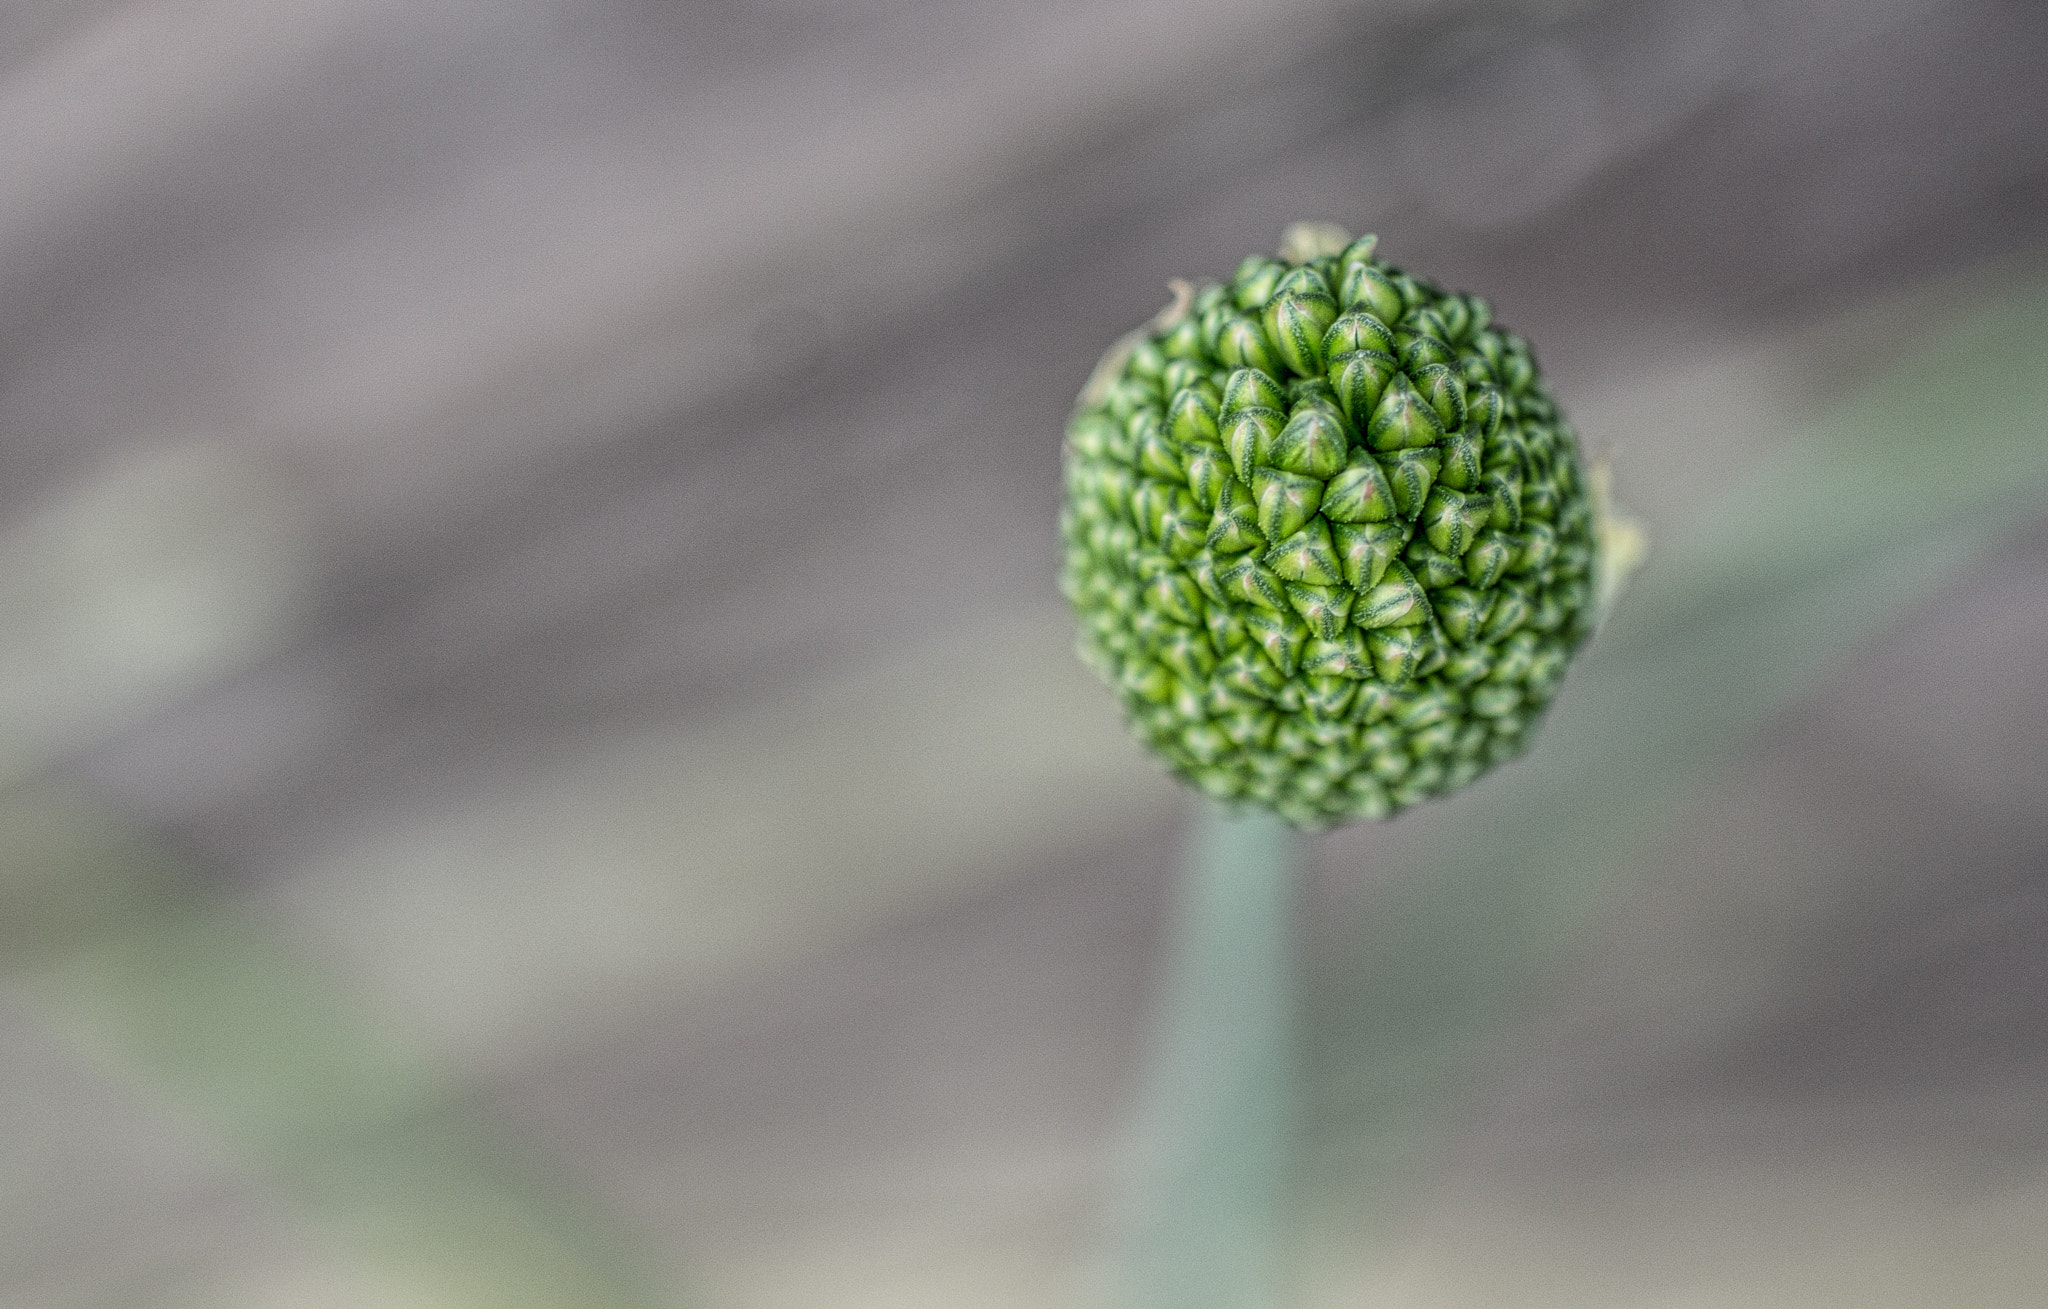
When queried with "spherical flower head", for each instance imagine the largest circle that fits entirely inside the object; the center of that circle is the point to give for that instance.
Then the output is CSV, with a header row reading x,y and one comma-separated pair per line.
x,y
1327,534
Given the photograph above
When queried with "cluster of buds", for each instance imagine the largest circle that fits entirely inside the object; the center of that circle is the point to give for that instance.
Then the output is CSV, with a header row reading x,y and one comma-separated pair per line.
x,y
1327,535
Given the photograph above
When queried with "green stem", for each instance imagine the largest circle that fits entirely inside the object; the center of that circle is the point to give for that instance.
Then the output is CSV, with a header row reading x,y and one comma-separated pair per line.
x,y
1216,1117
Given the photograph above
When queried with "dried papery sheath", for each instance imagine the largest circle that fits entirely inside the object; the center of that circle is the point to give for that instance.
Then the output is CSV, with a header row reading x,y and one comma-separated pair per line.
x,y
1328,536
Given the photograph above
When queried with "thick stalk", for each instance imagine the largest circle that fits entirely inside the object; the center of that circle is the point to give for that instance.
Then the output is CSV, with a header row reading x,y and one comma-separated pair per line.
x,y
1216,1116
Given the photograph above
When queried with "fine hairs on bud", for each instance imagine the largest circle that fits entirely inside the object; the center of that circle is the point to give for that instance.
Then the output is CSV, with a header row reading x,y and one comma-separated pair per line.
x,y
1329,539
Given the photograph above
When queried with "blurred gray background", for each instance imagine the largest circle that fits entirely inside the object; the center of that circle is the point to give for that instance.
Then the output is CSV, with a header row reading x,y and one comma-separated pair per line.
x,y
539,758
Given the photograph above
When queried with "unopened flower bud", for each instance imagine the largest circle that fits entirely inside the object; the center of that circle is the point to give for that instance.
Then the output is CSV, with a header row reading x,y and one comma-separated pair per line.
x,y
1327,535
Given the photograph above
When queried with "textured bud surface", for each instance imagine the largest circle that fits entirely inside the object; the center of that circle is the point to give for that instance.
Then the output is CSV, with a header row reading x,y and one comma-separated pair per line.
x,y
1327,535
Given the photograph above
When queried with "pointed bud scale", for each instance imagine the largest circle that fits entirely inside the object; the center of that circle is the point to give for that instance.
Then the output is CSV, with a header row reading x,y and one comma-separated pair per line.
x,y
1488,559
1147,361
1249,729
1248,581
1455,312
1296,318
1182,525
1464,455
1234,525
1181,373
1462,611
1365,550
1342,655
1517,372
1191,417
1129,395
1358,252
1207,471
1184,339
1248,436
1418,351
1446,394
1359,378
1327,535
1397,652
1149,681
1324,608
1158,457
1280,636
1413,293
1475,373
1204,743
1367,286
1148,504
1424,322
1396,602
1114,485
1329,695
1432,565
1496,701
1436,652
1256,280
1467,666
1212,322
1251,388
1358,331
1310,391
1403,420
1359,492
1313,443
1506,490
1511,610
1250,674
1286,501
1244,344
1410,474
1188,655
1539,549
1481,311
1451,519
1307,556
1516,656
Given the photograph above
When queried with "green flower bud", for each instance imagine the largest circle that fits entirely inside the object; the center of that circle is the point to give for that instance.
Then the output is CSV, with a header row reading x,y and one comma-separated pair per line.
x,y
1359,493
1191,417
1234,524
1207,471
1296,318
1327,536
1364,551
1359,378
1410,473
1286,501
1358,331
1368,287
1307,556
1313,443
1403,420
1244,344
1248,436
1257,278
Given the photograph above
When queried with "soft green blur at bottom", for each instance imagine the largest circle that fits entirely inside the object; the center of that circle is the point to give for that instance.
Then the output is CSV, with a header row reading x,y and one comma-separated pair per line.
x,y
1204,1215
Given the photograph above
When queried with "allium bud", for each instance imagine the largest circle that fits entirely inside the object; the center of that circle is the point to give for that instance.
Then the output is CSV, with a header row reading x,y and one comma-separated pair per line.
x,y
1327,535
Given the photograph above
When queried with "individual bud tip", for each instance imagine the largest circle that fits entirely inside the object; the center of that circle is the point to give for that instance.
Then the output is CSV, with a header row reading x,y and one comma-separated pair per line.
x,y
1302,242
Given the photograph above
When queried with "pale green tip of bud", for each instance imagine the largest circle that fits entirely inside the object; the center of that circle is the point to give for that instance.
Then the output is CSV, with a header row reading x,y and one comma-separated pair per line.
x,y
1302,242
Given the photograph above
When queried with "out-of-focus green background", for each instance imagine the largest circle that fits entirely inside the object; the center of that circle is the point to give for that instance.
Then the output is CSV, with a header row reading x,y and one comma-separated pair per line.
x,y
539,758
